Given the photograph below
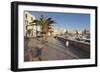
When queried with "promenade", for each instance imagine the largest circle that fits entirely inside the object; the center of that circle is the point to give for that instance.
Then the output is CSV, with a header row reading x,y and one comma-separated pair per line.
x,y
54,49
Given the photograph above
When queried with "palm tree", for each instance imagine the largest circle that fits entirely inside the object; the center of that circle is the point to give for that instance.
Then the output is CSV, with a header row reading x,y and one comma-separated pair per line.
x,y
50,22
46,24
51,31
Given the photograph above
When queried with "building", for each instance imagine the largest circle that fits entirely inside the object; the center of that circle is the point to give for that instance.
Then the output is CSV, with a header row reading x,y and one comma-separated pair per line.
x,y
59,31
30,28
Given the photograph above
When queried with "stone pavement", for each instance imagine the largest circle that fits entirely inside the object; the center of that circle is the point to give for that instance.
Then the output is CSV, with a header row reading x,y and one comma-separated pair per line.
x,y
54,49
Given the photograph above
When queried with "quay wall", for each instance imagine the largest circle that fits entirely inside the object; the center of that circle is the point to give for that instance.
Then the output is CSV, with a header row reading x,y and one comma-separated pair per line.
x,y
76,44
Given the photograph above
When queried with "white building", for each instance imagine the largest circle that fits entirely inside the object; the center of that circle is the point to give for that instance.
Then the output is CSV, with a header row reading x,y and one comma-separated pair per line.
x,y
59,31
30,29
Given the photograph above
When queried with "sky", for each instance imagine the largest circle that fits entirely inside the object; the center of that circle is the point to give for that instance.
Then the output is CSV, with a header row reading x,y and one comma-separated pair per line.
x,y
70,21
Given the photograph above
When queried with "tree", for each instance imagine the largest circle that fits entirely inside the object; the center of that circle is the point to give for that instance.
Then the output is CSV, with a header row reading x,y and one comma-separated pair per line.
x,y
51,31
46,24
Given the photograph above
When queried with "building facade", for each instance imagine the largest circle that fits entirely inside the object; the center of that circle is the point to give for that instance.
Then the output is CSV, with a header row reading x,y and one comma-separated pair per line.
x,y
30,28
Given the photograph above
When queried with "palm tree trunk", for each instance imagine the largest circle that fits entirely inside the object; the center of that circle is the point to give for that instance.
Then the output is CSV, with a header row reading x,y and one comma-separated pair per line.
x,y
46,36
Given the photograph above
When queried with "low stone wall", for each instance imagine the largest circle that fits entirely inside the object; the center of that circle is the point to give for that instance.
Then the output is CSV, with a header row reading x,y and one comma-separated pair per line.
x,y
76,44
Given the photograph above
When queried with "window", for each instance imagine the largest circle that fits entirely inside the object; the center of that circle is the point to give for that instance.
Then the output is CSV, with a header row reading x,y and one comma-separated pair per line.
x,y
26,16
26,22
31,18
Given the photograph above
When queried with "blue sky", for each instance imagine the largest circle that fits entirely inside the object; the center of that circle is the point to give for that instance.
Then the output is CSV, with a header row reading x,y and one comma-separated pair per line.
x,y
70,21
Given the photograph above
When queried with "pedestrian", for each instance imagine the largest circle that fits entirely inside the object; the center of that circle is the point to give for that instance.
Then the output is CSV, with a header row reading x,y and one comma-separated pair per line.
x,y
67,43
